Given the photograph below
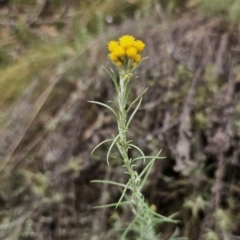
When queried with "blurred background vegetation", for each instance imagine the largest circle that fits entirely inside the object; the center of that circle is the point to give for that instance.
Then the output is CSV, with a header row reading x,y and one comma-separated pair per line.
x,y
51,53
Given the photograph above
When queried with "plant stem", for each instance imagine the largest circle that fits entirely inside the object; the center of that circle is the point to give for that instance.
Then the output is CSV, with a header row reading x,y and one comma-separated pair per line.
x,y
123,143
136,197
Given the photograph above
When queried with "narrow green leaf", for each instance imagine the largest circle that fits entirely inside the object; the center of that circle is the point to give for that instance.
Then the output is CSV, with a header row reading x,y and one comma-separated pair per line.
x,y
123,194
136,99
147,169
146,157
174,215
110,148
101,143
128,92
128,228
111,182
106,106
111,205
134,146
166,219
134,112
119,149
113,77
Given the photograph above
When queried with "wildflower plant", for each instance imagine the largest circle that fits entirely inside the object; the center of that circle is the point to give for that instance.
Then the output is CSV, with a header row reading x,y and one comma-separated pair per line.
x,y
125,54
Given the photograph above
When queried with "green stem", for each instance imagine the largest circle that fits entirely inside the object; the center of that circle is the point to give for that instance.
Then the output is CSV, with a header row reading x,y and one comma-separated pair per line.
x,y
135,183
122,122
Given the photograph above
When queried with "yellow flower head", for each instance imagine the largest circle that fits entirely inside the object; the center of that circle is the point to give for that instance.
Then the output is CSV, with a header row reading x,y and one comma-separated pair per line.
x,y
139,45
113,57
137,58
131,52
126,41
126,52
112,45
119,51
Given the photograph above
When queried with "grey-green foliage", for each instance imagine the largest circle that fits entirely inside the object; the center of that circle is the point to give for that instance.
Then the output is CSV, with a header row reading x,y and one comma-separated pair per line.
x,y
145,219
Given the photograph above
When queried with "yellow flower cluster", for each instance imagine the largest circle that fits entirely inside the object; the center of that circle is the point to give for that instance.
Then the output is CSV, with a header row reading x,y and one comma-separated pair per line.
x,y
126,50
